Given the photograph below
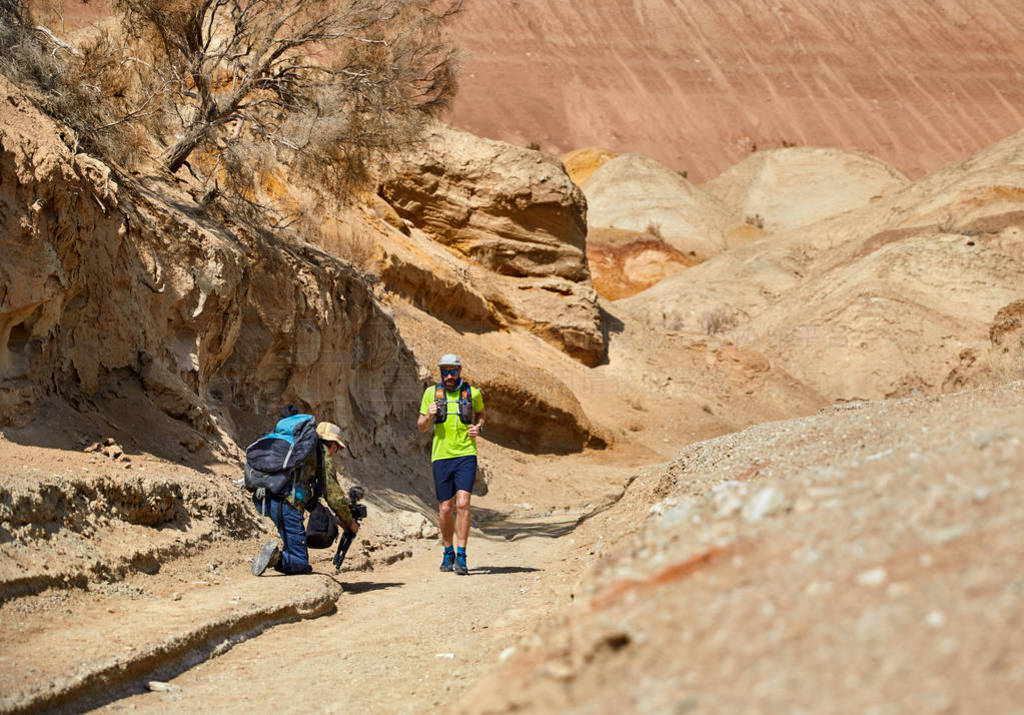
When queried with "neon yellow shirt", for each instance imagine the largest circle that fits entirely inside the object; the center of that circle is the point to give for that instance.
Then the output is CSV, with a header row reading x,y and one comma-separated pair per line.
x,y
451,438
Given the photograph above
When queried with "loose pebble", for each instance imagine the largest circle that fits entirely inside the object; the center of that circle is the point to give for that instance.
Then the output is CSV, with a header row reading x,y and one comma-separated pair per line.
x,y
873,577
767,502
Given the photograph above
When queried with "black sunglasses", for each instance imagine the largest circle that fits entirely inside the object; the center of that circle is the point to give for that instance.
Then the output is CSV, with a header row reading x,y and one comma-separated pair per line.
x,y
452,371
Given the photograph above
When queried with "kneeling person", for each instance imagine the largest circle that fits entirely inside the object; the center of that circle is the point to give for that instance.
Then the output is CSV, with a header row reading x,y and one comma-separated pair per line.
x,y
292,557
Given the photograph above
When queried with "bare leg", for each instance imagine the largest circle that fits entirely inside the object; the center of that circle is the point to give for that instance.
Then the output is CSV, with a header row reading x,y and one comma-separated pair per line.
x,y
446,520
462,518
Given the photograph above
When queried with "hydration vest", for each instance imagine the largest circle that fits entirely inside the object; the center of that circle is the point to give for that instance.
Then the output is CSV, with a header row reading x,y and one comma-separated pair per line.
x,y
465,403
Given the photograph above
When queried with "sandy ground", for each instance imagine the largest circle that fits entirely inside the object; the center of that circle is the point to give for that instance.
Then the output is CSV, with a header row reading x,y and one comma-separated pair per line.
x,y
861,559
404,639
389,608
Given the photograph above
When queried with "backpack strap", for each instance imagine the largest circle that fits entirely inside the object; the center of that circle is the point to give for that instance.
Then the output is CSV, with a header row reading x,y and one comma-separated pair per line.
x,y
319,478
466,404
442,403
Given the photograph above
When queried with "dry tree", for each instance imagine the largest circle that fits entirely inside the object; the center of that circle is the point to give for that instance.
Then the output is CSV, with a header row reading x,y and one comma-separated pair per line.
x,y
328,83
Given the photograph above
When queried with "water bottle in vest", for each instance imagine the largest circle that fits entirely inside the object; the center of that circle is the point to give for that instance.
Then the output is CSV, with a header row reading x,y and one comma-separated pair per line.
x,y
442,404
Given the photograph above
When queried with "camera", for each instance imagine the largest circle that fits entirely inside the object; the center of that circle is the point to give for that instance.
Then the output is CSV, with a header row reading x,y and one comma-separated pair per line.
x,y
355,495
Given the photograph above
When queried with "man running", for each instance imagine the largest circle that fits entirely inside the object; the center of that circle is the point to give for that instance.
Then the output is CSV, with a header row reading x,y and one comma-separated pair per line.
x,y
457,412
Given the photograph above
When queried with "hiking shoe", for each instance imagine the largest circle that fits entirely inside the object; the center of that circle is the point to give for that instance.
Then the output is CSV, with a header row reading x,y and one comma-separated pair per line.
x,y
267,557
448,561
460,565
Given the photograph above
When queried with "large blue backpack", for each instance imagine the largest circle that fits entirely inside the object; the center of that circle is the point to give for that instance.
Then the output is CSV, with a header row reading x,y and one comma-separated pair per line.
x,y
274,461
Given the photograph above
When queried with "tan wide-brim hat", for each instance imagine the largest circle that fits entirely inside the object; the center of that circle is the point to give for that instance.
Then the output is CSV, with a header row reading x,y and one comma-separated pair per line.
x,y
330,432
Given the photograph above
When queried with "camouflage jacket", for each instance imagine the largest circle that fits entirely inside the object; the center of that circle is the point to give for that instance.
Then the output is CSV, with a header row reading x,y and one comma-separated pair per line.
x,y
301,495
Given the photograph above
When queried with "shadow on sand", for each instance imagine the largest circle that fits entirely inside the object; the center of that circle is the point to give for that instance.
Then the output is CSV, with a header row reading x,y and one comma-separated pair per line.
x,y
367,586
499,570
496,524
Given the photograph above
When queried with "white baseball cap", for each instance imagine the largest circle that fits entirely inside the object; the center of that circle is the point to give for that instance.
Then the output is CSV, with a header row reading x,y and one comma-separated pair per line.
x,y
449,360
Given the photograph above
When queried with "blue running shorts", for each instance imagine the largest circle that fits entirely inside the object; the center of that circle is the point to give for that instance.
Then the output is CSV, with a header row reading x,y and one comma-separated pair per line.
x,y
457,473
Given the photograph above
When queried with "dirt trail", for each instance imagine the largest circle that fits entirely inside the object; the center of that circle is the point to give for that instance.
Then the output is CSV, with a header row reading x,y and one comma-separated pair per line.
x,y
405,638
203,623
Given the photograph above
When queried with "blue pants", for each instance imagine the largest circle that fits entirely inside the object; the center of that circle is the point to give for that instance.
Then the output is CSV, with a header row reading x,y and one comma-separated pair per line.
x,y
454,474
288,520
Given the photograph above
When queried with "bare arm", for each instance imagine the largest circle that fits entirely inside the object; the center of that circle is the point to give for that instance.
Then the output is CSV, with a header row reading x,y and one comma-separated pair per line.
x,y
424,421
474,430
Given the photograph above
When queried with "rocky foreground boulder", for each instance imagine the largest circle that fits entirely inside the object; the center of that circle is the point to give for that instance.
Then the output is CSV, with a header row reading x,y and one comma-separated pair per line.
x,y
863,559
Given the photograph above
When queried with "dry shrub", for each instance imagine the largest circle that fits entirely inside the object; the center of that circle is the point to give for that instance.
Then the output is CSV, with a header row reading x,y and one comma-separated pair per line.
x,y
341,238
718,321
757,221
330,90
23,57
654,230
359,251
947,225
1003,365
1004,359
92,88
377,101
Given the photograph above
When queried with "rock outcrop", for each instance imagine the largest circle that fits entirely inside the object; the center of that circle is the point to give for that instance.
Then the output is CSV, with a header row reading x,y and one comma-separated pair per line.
x,y
784,189
623,263
637,193
511,211
581,163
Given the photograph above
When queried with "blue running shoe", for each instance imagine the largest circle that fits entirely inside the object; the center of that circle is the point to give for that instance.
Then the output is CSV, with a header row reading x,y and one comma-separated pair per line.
x,y
460,564
449,559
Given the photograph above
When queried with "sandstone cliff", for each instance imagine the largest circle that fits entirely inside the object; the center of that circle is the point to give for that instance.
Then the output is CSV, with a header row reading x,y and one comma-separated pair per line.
x,y
700,85
109,288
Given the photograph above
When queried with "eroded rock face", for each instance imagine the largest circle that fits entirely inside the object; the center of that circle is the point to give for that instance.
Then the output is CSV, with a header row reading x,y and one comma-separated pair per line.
x,y
512,210
783,189
515,213
890,299
103,285
636,193
626,262
698,85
